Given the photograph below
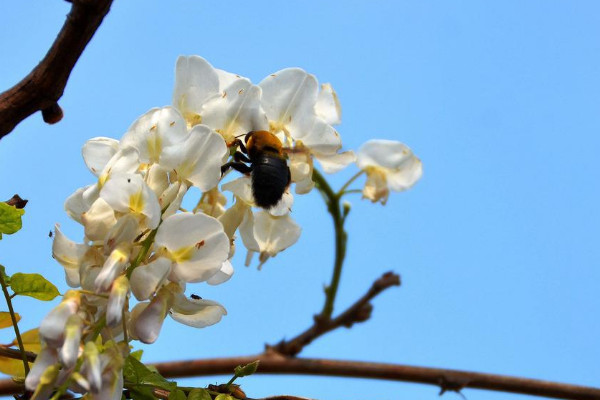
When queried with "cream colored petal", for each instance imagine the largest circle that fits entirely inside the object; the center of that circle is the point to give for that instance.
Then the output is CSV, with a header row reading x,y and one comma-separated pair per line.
x,y
241,188
275,234
197,313
196,243
328,106
69,254
146,279
333,163
153,131
98,220
407,175
97,152
223,275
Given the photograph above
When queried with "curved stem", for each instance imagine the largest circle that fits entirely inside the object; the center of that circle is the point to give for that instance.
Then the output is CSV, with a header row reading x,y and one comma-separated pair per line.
x,y
14,322
341,238
143,252
343,188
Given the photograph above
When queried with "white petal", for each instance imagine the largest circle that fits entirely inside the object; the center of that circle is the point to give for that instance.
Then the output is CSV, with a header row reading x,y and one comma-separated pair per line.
x,y
195,82
97,152
98,220
407,175
113,266
76,204
227,78
333,163
198,158
126,160
223,275
233,216
376,188
149,322
125,230
275,234
283,206
153,131
241,188
318,136
289,94
46,357
53,325
383,153
247,232
146,279
129,193
328,105
197,313
70,349
116,301
236,111
69,254
175,205
197,244
158,179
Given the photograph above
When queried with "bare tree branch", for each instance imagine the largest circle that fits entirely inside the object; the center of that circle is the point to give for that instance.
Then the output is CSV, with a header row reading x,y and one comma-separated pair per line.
x,y
446,379
360,311
43,87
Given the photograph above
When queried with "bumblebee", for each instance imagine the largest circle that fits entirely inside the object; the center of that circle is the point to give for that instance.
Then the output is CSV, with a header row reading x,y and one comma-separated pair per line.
x,y
268,166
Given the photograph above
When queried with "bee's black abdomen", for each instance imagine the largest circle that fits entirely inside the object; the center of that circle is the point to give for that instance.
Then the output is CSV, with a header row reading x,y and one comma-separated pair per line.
x,y
270,178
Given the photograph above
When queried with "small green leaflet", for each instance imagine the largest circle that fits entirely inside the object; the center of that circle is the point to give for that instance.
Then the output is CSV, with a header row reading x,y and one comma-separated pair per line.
x,y
223,396
199,394
136,372
33,285
10,219
245,370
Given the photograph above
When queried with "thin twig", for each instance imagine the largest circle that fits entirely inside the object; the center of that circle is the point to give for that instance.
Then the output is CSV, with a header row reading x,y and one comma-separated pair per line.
x,y
13,317
16,354
360,311
45,84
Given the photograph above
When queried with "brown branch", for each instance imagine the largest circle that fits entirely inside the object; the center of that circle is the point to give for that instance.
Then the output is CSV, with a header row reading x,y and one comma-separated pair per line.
x,y
44,86
446,379
360,311
16,354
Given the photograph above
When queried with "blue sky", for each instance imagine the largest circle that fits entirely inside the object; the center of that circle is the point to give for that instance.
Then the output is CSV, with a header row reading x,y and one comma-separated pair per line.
x,y
497,245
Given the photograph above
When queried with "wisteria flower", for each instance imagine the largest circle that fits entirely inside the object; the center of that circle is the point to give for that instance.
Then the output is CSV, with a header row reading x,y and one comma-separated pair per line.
x,y
389,165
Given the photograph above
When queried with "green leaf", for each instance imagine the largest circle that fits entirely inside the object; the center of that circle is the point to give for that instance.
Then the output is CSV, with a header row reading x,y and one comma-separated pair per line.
x,y
177,394
245,370
137,354
224,397
136,372
33,285
199,394
6,320
10,219
141,393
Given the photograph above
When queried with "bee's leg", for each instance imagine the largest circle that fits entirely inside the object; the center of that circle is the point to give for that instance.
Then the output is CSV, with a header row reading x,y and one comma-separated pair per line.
x,y
238,166
241,157
242,147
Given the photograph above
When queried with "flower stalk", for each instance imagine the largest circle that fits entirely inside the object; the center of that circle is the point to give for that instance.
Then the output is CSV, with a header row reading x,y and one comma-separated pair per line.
x,y
14,323
332,200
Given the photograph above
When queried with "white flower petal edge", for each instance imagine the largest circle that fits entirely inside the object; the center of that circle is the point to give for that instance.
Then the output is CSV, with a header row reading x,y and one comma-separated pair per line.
x,y
97,152
196,243
389,165
153,131
198,313
198,158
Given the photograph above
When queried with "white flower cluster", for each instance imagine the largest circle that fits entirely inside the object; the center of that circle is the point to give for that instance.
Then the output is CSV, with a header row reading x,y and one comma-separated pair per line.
x,y
138,239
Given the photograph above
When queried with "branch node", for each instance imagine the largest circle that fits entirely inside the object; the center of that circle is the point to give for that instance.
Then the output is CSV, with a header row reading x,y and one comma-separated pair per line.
x,y
453,384
52,114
